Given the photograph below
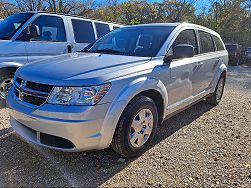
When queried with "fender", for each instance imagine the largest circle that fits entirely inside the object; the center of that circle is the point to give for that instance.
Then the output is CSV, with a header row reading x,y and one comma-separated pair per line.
x,y
121,101
10,64
220,70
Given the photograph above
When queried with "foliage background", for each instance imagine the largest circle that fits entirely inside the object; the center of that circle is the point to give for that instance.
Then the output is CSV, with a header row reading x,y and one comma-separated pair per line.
x,y
231,18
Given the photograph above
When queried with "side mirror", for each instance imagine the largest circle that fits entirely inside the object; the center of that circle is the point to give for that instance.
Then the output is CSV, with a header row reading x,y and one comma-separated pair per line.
x,y
32,31
180,51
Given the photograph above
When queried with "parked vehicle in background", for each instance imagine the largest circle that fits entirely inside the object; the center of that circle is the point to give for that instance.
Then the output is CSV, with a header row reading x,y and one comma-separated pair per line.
x,y
118,90
248,55
234,53
30,36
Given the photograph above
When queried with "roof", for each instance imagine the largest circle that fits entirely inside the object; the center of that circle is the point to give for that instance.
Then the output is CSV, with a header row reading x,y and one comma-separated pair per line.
x,y
55,13
178,24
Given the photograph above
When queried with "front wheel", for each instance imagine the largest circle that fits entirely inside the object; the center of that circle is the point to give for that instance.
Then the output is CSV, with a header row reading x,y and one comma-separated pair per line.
x,y
136,128
215,98
5,85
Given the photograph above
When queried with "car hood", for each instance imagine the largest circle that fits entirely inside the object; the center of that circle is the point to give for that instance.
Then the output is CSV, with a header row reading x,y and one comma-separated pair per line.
x,y
81,68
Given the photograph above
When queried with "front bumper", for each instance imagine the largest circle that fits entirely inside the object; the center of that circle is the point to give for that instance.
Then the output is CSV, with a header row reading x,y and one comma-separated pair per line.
x,y
66,128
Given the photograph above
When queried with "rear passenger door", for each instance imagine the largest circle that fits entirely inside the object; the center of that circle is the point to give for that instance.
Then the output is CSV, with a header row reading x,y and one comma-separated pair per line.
x,y
209,60
52,40
83,33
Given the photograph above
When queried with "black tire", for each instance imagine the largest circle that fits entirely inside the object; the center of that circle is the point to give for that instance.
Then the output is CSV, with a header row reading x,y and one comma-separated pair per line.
x,y
213,99
121,142
5,74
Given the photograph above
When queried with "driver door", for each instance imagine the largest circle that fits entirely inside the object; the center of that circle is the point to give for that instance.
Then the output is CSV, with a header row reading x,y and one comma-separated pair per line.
x,y
184,72
52,40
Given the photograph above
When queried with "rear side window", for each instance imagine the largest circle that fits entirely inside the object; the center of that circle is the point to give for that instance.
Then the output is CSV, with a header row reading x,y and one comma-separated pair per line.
x,y
218,43
206,42
187,37
51,29
102,29
83,31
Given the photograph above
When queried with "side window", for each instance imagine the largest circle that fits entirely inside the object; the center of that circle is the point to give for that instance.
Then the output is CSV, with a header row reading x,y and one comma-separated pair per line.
x,y
83,31
187,37
218,43
51,29
206,42
102,29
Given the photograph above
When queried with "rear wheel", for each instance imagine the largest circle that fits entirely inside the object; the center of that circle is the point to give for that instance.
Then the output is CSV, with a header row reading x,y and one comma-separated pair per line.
x,y
215,98
136,128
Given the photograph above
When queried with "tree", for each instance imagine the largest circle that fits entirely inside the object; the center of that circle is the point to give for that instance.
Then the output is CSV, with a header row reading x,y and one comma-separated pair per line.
x,y
176,10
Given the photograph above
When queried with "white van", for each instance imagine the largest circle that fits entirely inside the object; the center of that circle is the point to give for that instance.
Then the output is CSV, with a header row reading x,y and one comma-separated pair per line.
x,y
26,37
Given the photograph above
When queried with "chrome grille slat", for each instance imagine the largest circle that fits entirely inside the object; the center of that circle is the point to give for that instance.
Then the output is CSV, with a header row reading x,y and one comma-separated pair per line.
x,y
32,92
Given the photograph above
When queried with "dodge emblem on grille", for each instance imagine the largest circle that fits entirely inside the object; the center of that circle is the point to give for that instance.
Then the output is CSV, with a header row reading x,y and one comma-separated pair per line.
x,y
21,94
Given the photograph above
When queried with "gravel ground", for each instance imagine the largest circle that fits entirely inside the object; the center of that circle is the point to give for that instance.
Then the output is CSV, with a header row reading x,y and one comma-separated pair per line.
x,y
203,146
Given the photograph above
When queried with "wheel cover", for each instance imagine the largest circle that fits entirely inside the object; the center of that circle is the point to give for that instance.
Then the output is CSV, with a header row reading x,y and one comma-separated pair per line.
x,y
141,128
219,90
5,87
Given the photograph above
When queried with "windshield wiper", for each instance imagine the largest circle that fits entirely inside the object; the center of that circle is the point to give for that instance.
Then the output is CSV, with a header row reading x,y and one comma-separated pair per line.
x,y
110,51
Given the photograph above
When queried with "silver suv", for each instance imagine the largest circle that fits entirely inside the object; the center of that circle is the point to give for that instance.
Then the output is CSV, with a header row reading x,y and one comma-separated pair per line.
x,y
118,90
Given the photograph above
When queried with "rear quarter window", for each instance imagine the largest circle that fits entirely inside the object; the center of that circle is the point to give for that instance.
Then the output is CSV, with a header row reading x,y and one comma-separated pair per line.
x,y
83,31
218,43
102,29
206,42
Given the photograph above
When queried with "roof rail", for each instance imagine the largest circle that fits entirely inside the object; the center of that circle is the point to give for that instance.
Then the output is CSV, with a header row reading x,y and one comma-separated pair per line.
x,y
94,19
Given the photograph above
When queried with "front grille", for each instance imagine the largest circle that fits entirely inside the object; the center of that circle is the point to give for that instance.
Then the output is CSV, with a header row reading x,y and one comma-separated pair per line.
x,y
39,87
19,80
31,92
34,100
16,92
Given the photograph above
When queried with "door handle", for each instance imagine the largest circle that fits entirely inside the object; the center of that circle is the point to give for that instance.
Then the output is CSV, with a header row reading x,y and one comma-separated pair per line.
x,y
199,64
69,48
218,60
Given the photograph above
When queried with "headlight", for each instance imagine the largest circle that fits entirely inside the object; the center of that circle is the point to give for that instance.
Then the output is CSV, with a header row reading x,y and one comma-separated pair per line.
x,y
78,95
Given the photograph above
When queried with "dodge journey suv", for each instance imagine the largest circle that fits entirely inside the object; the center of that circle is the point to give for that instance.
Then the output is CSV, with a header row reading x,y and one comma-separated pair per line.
x,y
117,91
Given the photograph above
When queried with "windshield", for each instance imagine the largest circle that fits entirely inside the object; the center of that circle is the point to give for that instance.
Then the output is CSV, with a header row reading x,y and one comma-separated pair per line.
x,y
143,41
11,24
